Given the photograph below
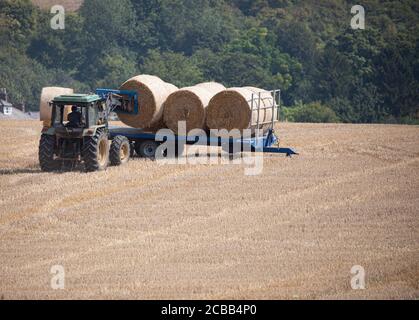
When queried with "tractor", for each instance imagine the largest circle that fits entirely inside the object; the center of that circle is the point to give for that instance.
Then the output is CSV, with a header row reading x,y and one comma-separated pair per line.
x,y
81,136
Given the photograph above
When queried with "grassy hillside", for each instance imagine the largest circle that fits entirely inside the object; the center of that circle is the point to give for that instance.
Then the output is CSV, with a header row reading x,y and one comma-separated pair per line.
x,y
326,70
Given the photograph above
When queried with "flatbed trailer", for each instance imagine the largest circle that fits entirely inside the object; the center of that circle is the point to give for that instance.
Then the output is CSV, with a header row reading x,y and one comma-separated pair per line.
x,y
267,143
141,139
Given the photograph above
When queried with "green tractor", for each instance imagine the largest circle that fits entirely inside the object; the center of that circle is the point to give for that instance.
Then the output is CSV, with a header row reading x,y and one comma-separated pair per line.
x,y
82,136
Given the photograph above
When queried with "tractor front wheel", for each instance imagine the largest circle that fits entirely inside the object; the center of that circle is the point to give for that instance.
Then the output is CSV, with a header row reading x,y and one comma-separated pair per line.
x,y
120,151
46,153
96,152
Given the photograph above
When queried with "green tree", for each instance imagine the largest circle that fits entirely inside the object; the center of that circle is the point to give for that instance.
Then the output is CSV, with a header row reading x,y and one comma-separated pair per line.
x,y
115,68
313,112
23,78
253,59
107,24
186,25
60,49
397,80
172,67
18,23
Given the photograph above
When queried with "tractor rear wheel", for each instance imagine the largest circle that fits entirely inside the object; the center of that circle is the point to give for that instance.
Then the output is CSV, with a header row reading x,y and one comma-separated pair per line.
x,y
95,152
120,151
46,153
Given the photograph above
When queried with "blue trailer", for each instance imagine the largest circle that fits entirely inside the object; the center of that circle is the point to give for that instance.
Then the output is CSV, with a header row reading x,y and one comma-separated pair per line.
x,y
146,143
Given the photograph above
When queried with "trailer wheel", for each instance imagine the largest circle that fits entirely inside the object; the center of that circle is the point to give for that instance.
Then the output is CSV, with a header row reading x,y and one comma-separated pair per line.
x,y
147,149
46,153
179,150
120,151
95,152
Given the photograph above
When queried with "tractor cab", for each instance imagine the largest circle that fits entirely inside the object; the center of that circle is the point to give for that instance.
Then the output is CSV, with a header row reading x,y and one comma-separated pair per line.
x,y
73,114
79,133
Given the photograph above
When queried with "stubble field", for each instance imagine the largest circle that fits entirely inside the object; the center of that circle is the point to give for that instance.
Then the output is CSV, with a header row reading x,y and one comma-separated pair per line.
x,y
147,231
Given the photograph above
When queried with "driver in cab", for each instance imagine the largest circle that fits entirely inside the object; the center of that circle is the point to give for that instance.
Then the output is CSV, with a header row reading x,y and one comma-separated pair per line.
x,y
74,118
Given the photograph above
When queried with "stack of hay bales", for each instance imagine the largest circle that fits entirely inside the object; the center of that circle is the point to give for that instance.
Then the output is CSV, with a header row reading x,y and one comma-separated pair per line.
x,y
232,109
152,93
189,105
47,95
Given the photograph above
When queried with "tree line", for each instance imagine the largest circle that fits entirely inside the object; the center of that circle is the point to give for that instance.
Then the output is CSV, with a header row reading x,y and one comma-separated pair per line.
x,y
327,71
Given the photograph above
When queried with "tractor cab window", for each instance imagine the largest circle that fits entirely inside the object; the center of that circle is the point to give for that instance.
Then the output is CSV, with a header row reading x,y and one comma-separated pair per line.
x,y
58,112
97,114
93,116
74,116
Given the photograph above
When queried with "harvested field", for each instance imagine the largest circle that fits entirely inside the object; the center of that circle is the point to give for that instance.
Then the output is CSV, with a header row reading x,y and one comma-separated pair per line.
x,y
148,231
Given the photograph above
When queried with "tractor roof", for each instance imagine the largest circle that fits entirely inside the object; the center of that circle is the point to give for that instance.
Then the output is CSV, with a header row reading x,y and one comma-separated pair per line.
x,y
77,98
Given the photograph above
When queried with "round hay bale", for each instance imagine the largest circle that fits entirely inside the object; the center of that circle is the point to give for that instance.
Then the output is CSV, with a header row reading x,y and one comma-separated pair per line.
x,y
152,92
189,104
265,115
213,87
170,87
231,109
47,95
